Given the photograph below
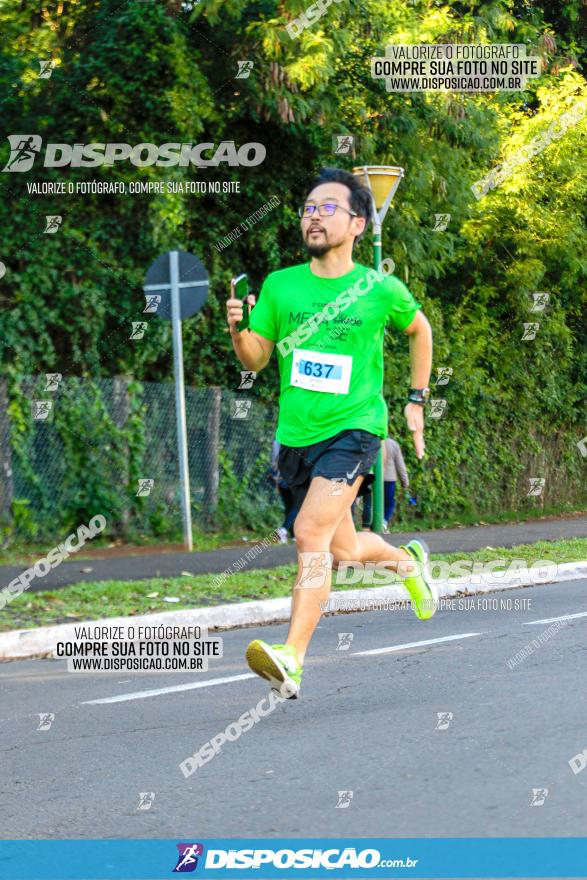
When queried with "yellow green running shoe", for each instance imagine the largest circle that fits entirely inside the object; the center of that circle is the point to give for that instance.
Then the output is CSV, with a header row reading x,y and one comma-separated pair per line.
x,y
423,592
278,664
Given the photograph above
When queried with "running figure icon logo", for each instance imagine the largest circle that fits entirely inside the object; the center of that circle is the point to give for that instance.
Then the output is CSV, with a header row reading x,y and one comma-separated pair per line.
x,y
247,379
536,486
441,222
344,144
530,330
46,720
41,409
344,641
54,221
539,795
53,380
315,565
46,70
336,484
244,69
153,302
187,859
146,799
24,150
444,719
540,301
344,800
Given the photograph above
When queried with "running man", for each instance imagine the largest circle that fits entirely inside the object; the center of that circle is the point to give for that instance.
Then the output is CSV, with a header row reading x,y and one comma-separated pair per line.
x,y
327,319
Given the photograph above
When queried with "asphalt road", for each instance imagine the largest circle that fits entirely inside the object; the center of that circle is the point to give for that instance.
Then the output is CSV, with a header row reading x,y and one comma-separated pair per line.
x,y
131,568
365,723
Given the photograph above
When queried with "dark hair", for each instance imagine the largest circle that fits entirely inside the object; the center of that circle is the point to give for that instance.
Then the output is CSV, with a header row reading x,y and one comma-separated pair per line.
x,y
359,198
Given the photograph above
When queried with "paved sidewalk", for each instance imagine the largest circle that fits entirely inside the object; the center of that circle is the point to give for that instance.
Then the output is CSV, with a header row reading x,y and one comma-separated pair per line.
x,y
213,561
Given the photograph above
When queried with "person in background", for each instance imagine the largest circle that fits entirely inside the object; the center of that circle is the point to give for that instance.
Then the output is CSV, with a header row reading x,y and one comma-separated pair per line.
x,y
367,511
286,530
394,466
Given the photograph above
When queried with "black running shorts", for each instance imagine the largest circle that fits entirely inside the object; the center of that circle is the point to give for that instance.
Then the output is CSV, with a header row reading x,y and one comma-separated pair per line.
x,y
344,457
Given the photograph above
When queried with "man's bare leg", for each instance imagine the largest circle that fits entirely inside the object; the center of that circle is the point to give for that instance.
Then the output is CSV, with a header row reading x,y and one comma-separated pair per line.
x,y
315,525
348,545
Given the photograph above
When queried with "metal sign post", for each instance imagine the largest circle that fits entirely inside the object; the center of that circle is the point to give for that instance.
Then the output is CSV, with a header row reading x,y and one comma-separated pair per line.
x,y
176,287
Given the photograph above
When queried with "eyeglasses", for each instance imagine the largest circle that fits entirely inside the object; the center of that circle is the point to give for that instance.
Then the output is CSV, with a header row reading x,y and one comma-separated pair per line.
x,y
326,210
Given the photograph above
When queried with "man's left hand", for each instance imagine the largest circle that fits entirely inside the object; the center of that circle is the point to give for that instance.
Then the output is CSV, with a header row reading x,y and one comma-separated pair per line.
x,y
414,414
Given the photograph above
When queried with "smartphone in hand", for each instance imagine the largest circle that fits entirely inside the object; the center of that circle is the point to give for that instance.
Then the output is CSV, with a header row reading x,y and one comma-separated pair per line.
x,y
240,286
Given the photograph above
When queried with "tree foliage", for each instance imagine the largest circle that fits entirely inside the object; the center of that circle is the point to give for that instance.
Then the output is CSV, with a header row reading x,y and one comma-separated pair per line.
x,y
164,71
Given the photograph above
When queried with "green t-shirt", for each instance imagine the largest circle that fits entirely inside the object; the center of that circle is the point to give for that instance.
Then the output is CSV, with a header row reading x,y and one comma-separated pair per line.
x,y
340,348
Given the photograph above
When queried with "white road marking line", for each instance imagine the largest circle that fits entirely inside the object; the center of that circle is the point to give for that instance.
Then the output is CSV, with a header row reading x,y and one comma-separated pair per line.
x,y
553,619
141,695
414,644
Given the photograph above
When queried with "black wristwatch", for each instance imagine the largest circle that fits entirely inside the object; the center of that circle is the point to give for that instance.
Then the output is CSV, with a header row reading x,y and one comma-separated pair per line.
x,y
419,395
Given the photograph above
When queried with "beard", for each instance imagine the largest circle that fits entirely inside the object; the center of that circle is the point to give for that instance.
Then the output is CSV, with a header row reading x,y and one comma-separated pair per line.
x,y
318,249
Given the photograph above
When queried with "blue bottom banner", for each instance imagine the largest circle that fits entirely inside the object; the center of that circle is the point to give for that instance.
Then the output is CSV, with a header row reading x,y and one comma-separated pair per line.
x,y
376,857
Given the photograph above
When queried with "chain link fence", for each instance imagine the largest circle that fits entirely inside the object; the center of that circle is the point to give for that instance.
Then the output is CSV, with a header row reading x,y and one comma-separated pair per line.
x,y
72,448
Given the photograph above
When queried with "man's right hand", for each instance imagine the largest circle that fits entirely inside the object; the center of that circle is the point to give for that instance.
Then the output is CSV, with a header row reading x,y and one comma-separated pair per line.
x,y
235,308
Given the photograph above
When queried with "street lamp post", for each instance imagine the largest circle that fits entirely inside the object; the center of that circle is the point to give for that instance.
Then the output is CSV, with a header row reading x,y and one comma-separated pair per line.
x,y
382,182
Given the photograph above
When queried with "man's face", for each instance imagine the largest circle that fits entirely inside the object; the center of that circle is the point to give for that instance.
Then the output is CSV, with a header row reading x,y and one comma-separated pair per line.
x,y
322,234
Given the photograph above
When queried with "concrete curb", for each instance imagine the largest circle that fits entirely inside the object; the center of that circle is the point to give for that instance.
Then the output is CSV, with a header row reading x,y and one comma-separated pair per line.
x,y
23,643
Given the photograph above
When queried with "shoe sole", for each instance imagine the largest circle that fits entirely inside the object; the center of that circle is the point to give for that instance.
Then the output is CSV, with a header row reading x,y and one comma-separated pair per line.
x,y
431,585
263,662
